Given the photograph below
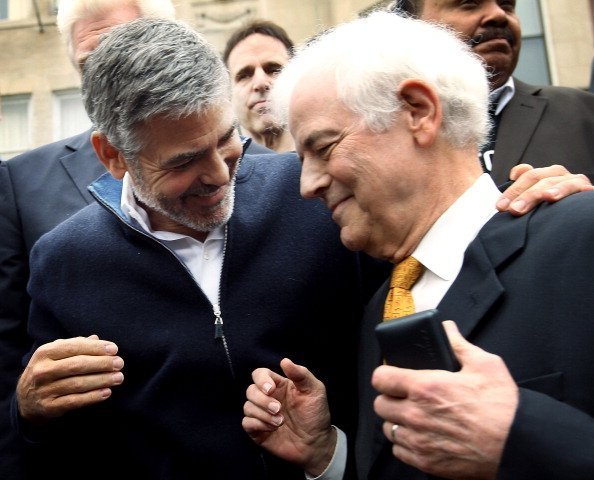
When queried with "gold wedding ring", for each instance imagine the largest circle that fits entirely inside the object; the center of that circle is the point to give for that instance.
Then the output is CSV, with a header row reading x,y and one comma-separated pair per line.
x,y
393,432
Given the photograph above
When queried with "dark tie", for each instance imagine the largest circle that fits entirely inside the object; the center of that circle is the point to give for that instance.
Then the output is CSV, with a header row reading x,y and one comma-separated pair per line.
x,y
399,301
487,151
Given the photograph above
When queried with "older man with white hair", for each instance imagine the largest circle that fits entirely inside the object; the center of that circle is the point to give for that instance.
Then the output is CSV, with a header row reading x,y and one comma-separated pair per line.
x,y
388,138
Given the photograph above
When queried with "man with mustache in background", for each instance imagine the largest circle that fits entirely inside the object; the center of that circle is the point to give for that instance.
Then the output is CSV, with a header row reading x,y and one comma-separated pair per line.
x,y
538,125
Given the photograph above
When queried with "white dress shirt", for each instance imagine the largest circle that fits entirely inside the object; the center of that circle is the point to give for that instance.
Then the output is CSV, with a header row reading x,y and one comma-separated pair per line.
x,y
503,95
203,260
441,251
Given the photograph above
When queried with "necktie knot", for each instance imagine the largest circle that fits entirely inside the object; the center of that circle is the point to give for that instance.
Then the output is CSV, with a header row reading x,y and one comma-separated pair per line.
x,y
406,273
399,301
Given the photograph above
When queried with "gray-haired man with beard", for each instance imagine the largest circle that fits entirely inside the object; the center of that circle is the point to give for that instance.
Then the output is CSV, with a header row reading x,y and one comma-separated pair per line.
x,y
195,265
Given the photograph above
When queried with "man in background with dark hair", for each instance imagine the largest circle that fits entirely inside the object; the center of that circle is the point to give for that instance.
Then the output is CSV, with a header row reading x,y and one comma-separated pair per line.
x,y
254,54
538,125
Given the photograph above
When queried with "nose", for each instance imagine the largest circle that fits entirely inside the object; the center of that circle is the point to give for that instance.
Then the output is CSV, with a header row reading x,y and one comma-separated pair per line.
x,y
314,179
217,169
494,13
262,81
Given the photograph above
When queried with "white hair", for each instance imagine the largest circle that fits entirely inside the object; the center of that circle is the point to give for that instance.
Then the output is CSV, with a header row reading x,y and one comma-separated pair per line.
x,y
370,57
71,11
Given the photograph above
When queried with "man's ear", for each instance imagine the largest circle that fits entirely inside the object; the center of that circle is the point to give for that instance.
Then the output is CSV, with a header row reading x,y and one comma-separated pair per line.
x,y
109,156
421,103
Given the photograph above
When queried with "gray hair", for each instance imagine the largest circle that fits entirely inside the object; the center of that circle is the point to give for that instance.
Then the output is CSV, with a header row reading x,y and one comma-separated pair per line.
x,y
369,58
72,11
150,67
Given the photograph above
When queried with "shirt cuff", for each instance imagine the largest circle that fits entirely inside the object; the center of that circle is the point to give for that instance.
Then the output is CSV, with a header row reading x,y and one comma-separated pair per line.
x,y
337,466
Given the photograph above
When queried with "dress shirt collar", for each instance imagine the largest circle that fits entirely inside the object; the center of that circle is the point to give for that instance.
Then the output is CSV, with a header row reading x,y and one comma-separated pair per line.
x,y
442,249
135,212
503,95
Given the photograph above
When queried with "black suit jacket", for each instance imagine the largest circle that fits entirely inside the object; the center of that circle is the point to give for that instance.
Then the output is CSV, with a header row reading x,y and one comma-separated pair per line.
x,y
38,190
543,126
525,292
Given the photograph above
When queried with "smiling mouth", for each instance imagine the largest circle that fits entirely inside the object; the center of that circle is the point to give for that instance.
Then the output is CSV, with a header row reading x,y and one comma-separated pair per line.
x,y
208,198
336,205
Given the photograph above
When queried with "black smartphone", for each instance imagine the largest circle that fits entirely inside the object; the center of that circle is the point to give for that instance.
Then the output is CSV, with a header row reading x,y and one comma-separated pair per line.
x,y
417,341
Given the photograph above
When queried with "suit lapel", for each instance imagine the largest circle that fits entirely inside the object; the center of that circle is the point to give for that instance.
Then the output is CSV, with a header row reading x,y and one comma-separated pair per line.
x,y
477,286
519,120
82,164
474,292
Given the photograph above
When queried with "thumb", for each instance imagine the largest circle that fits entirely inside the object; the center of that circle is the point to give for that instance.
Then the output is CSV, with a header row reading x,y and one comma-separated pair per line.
x,y
462,348
303,379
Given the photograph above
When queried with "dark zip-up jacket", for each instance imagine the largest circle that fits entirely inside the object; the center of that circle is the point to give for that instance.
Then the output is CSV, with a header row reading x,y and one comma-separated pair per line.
x,y
288,288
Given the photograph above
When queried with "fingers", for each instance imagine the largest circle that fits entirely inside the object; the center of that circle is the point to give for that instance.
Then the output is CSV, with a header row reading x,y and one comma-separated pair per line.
x,y
67,374
73,357
535,185
390,380
261,410
68,394
254,427
269,381
393,432
266,380
270,390
397,382
64,348
262,407
457,341
304,380
518,170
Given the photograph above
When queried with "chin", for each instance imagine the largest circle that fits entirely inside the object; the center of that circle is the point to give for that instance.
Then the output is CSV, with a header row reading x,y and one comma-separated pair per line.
x,y
351,242
268,122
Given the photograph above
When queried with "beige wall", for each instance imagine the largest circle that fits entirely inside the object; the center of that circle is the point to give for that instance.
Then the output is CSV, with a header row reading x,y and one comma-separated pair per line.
x,y
568,29
35,62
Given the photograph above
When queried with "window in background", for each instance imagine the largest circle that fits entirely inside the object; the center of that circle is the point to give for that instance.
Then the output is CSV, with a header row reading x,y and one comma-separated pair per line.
x,y
15,125
16,9
3,9
533,65
70,117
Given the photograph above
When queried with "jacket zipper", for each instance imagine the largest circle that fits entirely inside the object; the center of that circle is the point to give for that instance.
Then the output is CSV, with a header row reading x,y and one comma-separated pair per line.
x,y
218,323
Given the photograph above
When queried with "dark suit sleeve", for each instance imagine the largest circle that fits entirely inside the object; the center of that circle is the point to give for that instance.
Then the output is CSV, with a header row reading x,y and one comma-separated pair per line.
x,y
14,303
548,440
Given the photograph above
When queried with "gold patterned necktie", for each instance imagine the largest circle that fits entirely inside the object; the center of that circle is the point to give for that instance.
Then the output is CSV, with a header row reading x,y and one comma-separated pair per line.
x,y
399,301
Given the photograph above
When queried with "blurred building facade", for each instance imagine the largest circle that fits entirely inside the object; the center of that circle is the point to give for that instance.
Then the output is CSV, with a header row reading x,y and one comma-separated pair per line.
x,y
39,88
